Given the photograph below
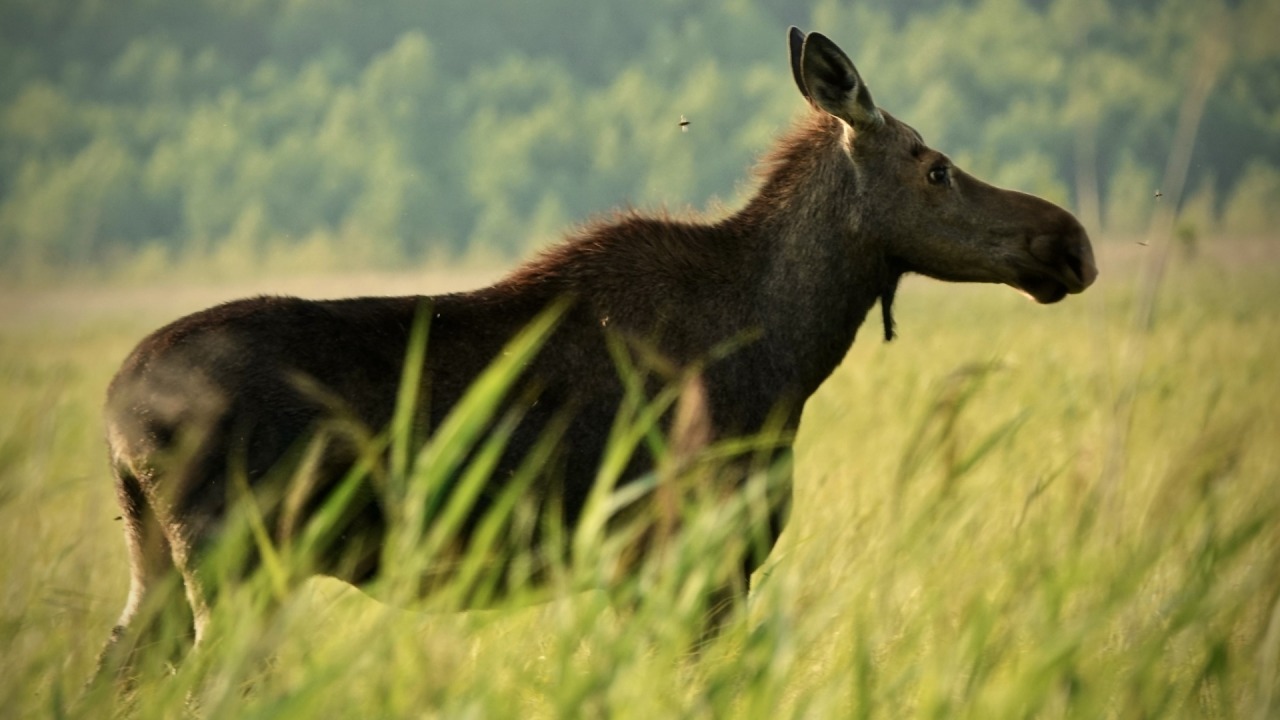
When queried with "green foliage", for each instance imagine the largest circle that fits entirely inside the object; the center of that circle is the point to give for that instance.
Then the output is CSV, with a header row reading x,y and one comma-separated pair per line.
x,y
1198,215
1252,208
398,130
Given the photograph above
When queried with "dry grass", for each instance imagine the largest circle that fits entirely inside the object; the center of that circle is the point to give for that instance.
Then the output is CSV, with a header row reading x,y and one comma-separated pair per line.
x,y
1011,511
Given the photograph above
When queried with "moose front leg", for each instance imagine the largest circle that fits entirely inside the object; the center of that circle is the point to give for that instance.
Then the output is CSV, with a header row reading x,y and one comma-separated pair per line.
x,y
722,606
724,599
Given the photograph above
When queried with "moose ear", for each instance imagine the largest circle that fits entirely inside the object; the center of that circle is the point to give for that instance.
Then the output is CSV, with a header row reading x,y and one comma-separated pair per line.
x,y
833,84
795,36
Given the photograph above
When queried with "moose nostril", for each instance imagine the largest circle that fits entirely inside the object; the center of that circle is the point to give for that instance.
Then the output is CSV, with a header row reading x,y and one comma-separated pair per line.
x,y
1072,251
1076,265
1046,248
1080,259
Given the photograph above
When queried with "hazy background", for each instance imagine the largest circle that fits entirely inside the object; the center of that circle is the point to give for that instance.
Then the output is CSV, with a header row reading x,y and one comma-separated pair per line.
x,y
1012,510
233,136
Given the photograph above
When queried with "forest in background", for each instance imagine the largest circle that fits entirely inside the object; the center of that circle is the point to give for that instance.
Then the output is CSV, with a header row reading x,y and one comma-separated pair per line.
x,y
322,134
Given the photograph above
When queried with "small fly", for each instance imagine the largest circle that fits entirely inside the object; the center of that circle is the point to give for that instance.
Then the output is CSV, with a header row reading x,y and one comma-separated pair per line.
x,y
684,124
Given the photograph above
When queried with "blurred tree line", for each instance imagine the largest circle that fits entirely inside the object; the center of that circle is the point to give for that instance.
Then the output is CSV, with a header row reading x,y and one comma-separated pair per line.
x,y
336,133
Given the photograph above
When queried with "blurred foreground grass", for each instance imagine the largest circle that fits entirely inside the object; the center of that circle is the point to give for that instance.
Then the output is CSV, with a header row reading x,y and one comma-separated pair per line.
x,y
1010,511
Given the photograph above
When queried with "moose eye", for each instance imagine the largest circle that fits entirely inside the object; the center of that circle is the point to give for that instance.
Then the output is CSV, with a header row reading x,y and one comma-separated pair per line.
x,y
940,175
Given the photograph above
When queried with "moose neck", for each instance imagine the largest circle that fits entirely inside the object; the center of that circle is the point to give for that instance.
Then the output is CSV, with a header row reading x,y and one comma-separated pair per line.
x,y
825,267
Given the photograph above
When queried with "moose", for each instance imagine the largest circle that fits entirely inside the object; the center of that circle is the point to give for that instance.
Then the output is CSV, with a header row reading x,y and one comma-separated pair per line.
x,y
848,202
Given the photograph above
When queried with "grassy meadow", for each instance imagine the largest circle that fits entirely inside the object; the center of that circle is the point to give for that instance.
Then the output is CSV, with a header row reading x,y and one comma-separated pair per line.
x,y
1009,511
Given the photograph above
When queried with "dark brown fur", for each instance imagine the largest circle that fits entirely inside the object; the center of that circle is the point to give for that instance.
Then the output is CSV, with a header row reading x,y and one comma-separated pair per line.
x,y
849,201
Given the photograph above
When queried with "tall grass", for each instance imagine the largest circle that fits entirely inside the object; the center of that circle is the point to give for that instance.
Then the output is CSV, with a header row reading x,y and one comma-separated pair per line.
x,y
956,548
